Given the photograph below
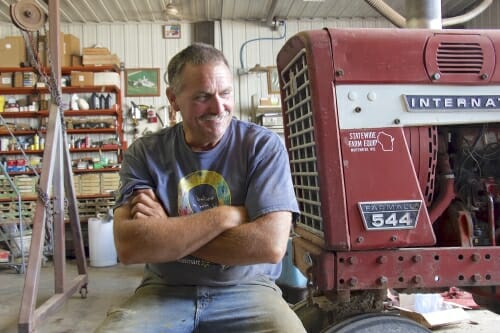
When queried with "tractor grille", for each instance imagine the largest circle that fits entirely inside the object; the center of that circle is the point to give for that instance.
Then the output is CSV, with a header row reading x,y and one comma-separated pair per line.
x,y
460,58
301,142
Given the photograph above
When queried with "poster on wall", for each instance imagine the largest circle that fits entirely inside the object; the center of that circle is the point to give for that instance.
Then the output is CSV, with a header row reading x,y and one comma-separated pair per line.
x,y
142,82
172,31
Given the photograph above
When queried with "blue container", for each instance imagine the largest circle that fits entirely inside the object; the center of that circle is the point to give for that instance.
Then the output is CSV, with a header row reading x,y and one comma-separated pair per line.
x,y
291,276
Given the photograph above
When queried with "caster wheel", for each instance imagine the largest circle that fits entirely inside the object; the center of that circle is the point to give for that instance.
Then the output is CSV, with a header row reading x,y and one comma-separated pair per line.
x,y
83,292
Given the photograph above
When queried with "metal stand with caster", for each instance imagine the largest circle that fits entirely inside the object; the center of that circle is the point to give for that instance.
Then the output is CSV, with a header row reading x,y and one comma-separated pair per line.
x,y
56,173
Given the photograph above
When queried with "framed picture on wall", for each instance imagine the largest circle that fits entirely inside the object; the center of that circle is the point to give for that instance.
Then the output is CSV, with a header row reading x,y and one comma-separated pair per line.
x,y
142,82
172,31
273,82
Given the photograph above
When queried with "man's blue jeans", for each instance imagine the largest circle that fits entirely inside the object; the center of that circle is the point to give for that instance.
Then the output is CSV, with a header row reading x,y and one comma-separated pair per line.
x,y
252,307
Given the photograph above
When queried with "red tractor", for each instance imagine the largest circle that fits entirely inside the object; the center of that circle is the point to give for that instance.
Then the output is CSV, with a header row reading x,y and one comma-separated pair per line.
x,y
394,145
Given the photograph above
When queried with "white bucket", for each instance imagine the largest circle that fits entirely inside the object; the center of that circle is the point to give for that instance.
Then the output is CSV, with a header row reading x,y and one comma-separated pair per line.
x,y
25,248
102,249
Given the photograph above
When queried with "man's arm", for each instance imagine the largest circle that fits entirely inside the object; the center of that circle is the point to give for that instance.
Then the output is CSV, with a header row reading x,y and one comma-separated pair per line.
x,y
144,233
264,240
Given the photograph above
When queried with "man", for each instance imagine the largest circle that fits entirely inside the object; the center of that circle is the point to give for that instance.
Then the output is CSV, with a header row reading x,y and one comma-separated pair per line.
x,y
207,204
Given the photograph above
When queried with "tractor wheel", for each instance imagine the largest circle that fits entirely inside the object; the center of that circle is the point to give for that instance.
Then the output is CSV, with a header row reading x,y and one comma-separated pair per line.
x,y
376,322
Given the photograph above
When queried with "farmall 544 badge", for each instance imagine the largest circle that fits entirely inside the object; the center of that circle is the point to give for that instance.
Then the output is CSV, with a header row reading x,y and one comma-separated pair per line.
x,y
383,215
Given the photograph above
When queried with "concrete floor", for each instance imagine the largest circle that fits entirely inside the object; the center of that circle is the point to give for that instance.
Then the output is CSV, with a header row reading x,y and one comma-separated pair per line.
x,y
107,286
111,285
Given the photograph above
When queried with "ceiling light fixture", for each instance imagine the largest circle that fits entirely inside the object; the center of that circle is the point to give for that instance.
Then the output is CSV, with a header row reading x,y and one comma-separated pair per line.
x,y
171,10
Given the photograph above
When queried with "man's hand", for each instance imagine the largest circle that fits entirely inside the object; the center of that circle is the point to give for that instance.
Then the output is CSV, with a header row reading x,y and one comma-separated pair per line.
x,y
144,203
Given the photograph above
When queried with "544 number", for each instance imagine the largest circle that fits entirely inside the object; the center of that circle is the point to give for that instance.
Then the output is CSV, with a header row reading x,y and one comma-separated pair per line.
x,y
383,220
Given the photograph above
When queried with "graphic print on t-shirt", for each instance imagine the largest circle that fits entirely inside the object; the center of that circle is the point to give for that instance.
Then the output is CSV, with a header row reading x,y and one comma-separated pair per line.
x,y
202,190
198,191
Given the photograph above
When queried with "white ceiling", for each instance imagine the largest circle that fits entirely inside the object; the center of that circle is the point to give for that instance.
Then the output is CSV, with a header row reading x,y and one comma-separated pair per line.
x,y
128,11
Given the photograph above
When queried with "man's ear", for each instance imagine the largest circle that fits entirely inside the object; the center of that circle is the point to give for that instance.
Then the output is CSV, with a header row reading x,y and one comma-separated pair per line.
x,y
172,99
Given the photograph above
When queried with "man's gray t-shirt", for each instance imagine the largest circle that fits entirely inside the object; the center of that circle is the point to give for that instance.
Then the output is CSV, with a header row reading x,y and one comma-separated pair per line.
x,y
249,167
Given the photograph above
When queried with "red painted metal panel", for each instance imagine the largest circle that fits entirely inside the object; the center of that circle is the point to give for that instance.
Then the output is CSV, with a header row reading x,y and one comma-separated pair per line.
x,y
325,279
374,56
418,268
404,55
378,167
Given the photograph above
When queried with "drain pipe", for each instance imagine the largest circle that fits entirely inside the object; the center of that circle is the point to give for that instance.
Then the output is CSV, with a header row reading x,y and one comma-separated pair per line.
x,y
423,14
426,15
467,16
386,11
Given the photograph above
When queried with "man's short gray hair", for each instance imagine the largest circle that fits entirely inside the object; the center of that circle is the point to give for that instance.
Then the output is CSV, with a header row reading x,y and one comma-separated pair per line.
x,y
196,54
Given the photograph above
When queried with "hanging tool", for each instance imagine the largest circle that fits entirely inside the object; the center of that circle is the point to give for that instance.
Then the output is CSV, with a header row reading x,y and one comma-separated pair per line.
x,y
135,113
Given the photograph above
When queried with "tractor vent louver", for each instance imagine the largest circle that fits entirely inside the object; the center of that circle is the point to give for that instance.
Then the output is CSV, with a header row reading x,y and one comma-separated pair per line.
x,y
460,58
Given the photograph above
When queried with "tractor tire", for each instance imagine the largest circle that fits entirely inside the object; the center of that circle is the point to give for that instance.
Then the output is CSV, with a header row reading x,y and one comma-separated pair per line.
x,y
376,323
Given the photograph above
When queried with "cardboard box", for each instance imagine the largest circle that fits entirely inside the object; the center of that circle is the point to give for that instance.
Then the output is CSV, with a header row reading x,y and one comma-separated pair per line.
x,y
71,46
12,51
439,313
18,79
271,119
90,189
68,47
79,79
6,80
24,79
43,45
29,79
76,183
110,182
107,79
96,51
109,59
76,60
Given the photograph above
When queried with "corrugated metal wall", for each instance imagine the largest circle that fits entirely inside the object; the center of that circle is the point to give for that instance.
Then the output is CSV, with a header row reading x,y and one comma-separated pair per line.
x,y
142,45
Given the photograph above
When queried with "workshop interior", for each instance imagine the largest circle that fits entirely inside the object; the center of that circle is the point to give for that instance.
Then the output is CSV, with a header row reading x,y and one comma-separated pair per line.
x,y
389,110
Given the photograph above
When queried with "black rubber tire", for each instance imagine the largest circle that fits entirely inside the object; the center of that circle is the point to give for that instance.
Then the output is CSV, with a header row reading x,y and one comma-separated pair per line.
x,y
376,323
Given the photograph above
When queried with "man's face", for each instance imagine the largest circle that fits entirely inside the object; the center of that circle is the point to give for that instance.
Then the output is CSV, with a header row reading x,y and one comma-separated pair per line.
x,y
205,102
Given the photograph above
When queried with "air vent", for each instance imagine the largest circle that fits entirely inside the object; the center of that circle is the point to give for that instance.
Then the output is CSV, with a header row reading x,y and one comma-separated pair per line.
x,y
460,58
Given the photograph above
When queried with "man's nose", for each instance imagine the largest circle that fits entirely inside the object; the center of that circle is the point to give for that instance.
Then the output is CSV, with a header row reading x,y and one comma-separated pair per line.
x,y
218,104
